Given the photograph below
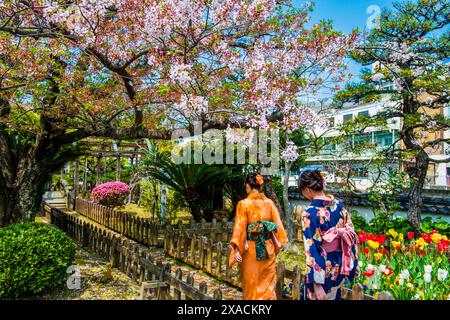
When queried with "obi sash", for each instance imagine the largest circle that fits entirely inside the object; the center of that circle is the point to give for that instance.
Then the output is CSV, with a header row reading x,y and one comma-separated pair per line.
x,y
263,227
340,239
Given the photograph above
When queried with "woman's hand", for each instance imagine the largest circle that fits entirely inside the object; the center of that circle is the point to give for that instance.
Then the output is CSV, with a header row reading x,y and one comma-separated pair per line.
x,y
358,272
237,256
319,292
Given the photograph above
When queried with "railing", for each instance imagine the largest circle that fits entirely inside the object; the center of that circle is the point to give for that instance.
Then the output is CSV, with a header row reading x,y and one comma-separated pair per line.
x,y
133,259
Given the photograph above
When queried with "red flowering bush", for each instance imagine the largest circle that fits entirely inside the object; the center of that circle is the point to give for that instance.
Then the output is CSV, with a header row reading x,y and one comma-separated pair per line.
x,y
111,194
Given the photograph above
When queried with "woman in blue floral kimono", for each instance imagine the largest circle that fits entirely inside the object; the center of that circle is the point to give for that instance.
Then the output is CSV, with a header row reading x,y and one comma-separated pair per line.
x,y
329,239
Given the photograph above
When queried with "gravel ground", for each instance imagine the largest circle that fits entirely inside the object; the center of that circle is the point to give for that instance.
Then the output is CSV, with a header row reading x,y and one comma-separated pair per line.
x,y
98,282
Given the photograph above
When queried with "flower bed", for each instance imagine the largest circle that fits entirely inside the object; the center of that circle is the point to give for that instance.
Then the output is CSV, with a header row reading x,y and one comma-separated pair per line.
x,y
413,268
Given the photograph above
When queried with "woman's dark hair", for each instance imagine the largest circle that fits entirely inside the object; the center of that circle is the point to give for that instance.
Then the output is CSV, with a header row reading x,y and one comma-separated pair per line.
x,y
311,179
255,180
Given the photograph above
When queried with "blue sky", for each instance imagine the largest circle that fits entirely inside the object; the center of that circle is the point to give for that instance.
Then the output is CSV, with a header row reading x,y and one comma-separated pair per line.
x,y
346,16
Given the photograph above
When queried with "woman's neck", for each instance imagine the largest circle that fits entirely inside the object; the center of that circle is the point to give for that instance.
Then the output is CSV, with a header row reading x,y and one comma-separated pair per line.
x,y
321,196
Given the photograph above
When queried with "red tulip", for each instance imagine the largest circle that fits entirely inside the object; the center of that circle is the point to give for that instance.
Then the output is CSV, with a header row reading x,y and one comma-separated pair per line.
x,y
366,250
410,235
381,239
383,250
433,232
442,246
369,273
426,237
362,236
389,272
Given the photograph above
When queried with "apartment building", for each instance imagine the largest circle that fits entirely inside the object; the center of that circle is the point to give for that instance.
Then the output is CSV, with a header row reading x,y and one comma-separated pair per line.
x,y
334,157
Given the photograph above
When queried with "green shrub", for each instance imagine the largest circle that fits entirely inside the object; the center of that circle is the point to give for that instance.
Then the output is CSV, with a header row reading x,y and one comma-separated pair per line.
x,y
33,257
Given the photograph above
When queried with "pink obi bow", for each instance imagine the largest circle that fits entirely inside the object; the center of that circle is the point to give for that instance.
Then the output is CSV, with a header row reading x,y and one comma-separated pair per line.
x,y
340,239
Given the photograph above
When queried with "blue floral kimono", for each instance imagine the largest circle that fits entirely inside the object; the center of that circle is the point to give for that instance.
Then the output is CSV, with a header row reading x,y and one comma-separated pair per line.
x,y
325,267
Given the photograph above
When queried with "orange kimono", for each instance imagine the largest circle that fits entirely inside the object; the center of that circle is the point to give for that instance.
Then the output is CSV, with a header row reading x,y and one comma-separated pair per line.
x,y
258,277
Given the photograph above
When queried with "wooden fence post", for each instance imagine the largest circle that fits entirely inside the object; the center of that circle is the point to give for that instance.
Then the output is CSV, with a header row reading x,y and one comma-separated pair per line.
x,y
217,294
280,280
357,292
296,283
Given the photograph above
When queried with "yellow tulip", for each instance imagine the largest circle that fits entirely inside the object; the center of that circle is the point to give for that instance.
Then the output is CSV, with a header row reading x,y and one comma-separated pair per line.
x,y
421,243
393,233
436,237
373,244
378,256
400,237
396,244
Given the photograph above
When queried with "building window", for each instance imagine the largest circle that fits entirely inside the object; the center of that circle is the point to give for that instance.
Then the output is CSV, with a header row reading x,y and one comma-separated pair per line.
x,y
362,139
363,114
359,170
348,117
383,139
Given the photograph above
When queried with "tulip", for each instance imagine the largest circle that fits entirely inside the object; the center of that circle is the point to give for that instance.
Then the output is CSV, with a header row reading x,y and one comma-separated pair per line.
x,y
442,275
366,250
421,243
381,239
393,233
388,272
426,237
436,237
396,245
404,274
362,236
369,273
410,235
373,244
427,277
428,268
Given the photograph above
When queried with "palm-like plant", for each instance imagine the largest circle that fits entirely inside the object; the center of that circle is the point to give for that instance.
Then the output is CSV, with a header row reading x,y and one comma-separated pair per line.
x,y
198,184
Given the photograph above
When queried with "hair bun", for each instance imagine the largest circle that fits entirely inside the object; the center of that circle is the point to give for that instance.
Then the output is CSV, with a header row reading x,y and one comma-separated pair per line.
x,y
259,179
318,176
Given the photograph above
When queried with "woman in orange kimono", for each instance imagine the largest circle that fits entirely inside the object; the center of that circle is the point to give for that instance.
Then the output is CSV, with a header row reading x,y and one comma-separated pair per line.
x,y
258,235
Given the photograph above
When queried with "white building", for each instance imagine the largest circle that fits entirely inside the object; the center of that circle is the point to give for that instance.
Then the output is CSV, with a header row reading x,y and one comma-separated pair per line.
x,y
332,156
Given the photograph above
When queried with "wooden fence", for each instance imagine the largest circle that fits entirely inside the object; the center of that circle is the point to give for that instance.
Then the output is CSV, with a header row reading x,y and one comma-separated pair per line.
x,y
146,231
133,259
212,258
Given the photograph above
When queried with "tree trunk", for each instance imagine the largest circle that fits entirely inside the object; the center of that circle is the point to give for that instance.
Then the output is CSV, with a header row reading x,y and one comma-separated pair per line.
x,y
20,201
418,175
288,216
271,194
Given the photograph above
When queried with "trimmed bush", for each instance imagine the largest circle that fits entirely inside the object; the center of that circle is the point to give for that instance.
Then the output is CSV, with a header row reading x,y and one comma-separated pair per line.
x,y
33,257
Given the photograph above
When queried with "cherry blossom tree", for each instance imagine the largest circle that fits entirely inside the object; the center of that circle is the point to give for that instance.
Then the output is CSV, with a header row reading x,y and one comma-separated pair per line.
x,y
410,50
127,69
